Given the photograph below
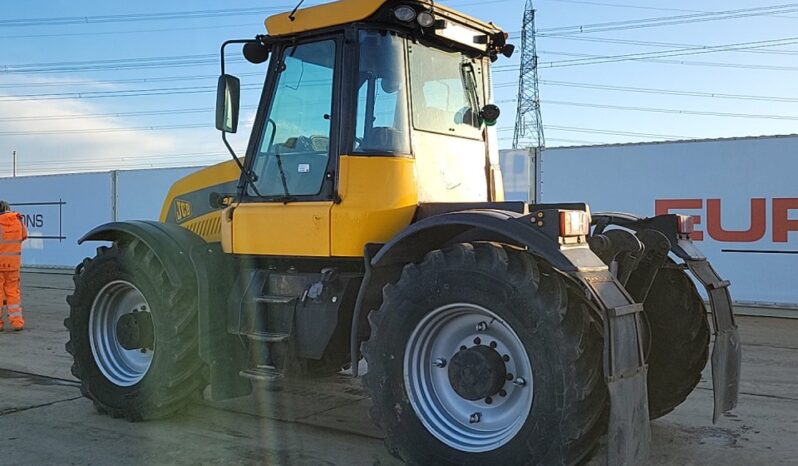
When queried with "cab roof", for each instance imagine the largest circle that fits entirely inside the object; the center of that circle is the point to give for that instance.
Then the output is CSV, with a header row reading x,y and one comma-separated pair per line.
x,y
349,11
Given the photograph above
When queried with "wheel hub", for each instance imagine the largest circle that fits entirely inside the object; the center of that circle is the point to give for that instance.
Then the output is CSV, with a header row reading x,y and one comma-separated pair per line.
x,y
134,330
480,397
122,333
477,372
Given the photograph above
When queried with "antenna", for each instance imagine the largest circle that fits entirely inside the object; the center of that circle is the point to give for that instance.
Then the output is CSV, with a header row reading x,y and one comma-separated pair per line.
x,y
528,121
293,12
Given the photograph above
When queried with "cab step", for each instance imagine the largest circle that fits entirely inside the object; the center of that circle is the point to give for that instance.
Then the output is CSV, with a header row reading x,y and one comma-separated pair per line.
x,y
268,337
275,299
262,374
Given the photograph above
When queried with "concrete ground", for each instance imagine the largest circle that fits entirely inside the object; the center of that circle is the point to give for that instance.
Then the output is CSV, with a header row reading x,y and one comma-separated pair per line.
x,y
44,420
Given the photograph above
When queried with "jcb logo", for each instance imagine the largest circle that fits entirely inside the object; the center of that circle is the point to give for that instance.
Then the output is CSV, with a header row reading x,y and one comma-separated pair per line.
x,y
781,223
182,209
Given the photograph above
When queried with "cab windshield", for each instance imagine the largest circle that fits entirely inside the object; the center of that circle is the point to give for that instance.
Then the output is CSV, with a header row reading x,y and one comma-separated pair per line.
x,y
295,144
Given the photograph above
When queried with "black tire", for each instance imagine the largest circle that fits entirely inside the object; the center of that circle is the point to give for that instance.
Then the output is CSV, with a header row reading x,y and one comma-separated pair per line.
x,y
563,342
679,340
175,374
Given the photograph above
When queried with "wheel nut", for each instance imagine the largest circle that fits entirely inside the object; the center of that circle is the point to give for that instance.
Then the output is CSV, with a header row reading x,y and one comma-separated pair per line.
x,y
439,363
482,326
520,382
474,418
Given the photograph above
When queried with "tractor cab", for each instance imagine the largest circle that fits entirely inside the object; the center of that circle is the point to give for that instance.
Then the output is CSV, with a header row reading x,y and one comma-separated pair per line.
x,y
369,109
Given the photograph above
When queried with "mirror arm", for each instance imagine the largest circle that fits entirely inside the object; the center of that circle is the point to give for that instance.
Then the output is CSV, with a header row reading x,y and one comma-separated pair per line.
x,y
246,172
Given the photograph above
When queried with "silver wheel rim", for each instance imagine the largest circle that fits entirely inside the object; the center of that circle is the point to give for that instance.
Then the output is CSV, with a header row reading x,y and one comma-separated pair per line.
x,y
469,426
120,366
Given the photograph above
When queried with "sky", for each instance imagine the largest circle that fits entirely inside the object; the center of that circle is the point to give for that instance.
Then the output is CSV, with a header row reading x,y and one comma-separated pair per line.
x,y
91,85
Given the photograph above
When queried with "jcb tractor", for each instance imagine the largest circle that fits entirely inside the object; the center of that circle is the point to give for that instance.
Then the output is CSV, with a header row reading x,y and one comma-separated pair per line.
x,y
367,221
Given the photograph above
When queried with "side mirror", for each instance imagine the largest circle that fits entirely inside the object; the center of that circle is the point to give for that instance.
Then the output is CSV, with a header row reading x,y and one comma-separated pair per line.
x,y
228,98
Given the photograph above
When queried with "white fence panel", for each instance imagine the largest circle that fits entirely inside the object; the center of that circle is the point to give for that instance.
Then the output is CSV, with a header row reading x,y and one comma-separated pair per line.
x,y
140,193
743,190
58,210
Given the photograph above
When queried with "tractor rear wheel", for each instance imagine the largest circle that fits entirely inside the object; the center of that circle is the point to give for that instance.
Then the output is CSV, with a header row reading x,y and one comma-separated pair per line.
x,y
480,356
133,334
679,339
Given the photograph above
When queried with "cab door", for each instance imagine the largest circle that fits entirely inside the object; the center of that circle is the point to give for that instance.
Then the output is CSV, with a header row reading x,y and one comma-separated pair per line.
x,y
285,211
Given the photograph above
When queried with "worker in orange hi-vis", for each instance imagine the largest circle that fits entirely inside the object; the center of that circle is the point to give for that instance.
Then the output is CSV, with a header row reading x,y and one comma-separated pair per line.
x,y
13,234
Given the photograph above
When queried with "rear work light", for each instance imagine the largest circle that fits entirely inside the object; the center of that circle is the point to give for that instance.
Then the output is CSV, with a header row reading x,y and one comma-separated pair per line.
x,y
574,223
685,224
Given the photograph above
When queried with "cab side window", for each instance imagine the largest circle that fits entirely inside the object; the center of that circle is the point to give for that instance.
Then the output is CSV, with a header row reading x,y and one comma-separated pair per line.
x,y
382,125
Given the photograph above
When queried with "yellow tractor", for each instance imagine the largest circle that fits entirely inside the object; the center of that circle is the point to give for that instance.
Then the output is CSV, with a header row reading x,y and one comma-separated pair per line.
x,y
367,221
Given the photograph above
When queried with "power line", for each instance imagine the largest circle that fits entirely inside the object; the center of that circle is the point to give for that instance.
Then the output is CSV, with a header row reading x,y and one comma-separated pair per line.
x,y
106,82
607,131
176,111
683,62
659,91
135,17
616,133
671,53
163,16
104,130
670,20
116,33
667,110
128,158
619,5
609,40
574,141
641,7
117,94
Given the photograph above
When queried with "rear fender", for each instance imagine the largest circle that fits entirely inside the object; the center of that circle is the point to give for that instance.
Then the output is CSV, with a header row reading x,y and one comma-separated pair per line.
x,y
527,231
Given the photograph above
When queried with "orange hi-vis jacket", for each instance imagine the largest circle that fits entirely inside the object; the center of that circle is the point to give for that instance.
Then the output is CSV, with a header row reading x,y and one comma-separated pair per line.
x,y
13,234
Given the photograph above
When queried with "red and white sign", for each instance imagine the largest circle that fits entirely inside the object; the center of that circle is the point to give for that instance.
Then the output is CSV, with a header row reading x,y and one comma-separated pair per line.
x,y
742,192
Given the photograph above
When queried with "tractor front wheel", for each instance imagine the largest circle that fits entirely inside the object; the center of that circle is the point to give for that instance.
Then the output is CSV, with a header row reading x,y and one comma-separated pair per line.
x,y
133,334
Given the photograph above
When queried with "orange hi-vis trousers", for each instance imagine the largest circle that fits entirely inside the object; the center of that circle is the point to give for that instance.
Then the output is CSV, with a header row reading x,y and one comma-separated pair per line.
x,y
9,291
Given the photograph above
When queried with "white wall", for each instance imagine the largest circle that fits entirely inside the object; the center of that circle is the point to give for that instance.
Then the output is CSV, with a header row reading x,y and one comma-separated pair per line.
x,y
140,193
699,175
59,209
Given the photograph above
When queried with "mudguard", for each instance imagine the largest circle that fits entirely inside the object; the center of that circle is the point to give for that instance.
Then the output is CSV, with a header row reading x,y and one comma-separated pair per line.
x,y
170,243
727,350
624,367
